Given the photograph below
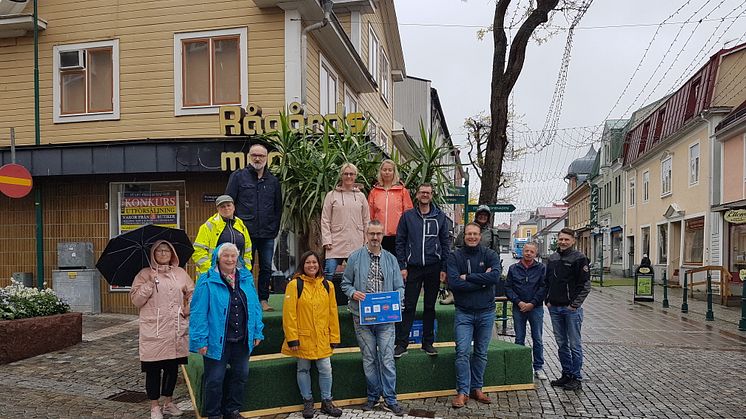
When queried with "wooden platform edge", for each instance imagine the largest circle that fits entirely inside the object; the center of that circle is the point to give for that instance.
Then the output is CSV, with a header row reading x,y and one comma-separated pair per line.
x,y
191,391
406,396
351,349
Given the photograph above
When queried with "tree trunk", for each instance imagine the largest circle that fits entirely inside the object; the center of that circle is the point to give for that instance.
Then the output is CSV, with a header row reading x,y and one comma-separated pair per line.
x,y
505,72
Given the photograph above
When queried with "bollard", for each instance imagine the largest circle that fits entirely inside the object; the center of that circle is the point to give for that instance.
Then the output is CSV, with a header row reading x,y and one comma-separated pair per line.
x,y
709,316
665,290
684,303
742,323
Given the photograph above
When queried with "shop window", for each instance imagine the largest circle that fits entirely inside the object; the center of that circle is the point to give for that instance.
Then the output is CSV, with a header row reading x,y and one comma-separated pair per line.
x,y
616,247
86,82
327,87
646,241
210,71
663,243
666,176
737,247
694,240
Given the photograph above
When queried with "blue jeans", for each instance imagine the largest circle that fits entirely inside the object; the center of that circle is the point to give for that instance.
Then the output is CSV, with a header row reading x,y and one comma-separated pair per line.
x,y
377,349
303,375
535,319
330,266
476,327
216,402
265,249
566,324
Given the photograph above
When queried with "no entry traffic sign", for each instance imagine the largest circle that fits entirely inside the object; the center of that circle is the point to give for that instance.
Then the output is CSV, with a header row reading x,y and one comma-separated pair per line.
x,y
15,180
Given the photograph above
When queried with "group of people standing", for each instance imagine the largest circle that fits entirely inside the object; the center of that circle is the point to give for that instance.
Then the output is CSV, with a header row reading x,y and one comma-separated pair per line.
x,y
381,243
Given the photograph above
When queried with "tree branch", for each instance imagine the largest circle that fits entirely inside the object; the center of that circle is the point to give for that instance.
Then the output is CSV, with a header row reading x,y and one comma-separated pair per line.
x,y
520,41
498,35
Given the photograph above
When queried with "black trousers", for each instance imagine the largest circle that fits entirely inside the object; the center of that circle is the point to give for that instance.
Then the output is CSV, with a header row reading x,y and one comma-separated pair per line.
x,y
389,243
418,277
156,386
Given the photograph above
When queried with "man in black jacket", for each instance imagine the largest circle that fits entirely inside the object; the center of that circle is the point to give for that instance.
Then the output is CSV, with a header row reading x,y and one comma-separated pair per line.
x,y
422,247
473,272
568,282
258,199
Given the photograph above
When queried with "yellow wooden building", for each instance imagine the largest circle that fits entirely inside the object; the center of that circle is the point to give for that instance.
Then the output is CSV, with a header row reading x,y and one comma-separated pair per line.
x,y
130,93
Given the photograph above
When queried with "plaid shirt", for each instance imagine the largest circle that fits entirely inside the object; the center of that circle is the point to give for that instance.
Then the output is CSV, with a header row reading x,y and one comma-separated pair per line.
x,y
375,276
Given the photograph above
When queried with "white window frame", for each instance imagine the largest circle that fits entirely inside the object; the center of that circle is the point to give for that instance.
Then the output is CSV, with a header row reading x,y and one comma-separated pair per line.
x,y
351,98
57,116
668,161
645,186
694,161
632,191
179,109
374,44
384,83
324,65
383,139
372,128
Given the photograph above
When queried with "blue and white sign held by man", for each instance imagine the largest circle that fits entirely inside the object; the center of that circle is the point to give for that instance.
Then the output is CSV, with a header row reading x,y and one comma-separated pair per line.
x,y
371,269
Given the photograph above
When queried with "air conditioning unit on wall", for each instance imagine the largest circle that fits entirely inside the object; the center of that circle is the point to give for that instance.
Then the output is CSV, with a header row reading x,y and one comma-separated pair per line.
x,y
72,60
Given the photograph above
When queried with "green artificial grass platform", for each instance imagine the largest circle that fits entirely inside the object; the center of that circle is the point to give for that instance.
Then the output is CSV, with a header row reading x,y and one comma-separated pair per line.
x,y
272,382
273,334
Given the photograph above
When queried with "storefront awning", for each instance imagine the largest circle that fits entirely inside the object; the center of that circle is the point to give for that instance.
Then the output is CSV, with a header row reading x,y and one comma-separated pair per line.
x,y
137,156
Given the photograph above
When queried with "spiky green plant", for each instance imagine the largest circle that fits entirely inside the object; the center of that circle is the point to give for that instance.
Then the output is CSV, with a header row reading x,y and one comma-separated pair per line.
x,y
426,164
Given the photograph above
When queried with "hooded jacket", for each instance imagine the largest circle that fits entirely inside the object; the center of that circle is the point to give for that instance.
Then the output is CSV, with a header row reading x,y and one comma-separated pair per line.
x,y
568,278
490,238
387,206
477,292
343,220
162,293
207,240
355,277
210,310
258,201
310,322
526,284
423,240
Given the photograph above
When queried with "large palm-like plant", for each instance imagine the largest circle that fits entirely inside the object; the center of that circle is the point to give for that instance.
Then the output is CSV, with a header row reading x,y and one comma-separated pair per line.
x,y
426,165
308,168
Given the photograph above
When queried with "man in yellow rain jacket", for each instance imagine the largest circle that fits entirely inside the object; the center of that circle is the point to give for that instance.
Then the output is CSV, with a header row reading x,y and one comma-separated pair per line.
x,y
222,227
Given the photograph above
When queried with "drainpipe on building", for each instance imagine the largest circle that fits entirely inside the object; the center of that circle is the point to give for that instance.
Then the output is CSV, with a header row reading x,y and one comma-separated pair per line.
x,y
326,5
37,138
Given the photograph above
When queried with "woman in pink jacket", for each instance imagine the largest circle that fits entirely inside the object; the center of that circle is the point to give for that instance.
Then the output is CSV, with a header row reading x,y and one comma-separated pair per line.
x,y
343,220
387,201
162,292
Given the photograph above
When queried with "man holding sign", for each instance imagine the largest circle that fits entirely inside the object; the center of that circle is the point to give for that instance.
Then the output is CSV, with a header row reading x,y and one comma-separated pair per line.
x,y
370,272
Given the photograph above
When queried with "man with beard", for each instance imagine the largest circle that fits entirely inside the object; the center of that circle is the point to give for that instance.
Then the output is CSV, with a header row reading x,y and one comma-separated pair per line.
x,y
258,199
568,282
371,269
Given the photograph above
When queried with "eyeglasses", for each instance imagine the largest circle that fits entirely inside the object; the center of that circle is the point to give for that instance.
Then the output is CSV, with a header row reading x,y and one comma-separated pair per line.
x,y
162,251
258,156
349,174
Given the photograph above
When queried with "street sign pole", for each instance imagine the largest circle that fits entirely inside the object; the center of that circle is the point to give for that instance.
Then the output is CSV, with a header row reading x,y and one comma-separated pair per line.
x,y
466,198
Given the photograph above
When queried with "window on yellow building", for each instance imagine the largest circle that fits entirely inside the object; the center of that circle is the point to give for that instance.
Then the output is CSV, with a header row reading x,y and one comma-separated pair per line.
x,y
210,70
86,81
694,240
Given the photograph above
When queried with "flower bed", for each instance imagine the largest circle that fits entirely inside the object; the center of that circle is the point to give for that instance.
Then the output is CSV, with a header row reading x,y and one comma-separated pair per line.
x,y
35,322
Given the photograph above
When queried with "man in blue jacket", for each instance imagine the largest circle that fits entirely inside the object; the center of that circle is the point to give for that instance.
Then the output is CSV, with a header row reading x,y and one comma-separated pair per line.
x,y
258,199
526,289
371,269
422,248
473,272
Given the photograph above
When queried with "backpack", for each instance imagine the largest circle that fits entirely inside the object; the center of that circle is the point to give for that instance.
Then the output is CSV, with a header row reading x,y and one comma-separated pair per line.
x,y
299,283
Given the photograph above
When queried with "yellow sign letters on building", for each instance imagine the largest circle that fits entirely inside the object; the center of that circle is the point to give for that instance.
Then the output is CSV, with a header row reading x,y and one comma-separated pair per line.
x,y
234,120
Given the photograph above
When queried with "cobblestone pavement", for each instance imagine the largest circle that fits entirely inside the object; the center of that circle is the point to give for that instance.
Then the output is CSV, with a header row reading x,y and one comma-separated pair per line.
x,y
640,361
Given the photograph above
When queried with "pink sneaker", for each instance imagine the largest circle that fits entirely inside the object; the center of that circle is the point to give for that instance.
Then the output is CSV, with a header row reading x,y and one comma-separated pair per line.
x,y
171,409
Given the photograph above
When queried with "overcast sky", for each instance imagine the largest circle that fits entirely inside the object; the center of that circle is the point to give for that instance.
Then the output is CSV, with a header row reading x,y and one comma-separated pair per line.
x,y
440,44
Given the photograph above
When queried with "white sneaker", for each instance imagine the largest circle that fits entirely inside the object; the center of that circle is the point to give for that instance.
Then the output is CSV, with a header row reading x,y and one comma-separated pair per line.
x,y
155,413
171,409
540,374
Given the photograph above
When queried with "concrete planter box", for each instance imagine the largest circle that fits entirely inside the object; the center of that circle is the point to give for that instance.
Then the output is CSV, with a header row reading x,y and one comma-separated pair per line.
x,y
24,338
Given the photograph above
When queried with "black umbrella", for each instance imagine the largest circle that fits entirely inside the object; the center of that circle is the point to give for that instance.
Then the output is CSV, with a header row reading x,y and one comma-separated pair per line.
x,y
127,253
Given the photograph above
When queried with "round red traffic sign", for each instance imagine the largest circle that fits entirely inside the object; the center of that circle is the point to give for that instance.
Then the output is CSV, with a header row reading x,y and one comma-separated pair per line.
x,y
15,180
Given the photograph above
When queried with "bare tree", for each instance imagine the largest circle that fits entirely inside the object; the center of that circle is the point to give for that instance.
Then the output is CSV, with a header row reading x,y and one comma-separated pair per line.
x,y
507,65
